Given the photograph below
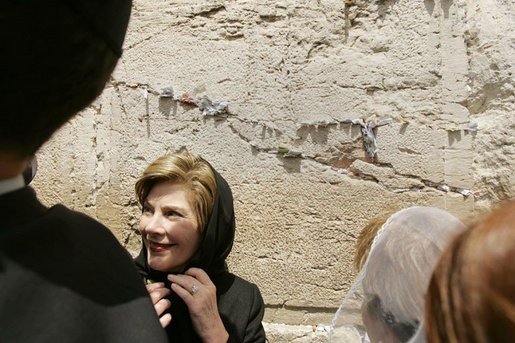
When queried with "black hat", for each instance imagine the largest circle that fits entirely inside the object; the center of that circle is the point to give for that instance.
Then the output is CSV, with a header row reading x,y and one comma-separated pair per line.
x,y
107,19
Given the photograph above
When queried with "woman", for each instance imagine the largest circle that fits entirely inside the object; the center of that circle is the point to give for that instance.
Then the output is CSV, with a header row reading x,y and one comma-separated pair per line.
x,y
188,227
471,297
386,301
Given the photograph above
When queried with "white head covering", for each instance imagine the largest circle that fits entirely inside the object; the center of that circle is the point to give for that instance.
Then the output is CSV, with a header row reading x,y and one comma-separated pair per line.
x,y
386,301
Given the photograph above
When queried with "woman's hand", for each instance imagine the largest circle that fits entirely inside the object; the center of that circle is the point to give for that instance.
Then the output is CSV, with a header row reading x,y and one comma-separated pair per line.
x,y
199,293
158,292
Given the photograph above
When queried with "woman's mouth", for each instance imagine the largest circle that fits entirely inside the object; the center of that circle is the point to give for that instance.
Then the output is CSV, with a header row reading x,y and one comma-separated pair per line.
x,y
158,247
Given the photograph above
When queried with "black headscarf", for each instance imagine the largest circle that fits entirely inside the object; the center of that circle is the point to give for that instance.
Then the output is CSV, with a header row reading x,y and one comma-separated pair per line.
x,y
217,239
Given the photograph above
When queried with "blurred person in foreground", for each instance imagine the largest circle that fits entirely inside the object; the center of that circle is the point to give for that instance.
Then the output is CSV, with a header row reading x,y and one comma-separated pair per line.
x,y
63,276
386,301
471,297
187,227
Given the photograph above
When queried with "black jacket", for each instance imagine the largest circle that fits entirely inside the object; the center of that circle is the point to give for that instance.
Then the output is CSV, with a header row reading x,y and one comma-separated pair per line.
x,y
65,278
240,304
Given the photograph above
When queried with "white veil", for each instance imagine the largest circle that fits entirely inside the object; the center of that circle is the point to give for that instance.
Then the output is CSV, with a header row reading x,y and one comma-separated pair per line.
x,y
386,301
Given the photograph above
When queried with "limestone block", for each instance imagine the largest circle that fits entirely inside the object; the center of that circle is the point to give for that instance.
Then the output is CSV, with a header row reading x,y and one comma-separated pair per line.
x,y
385,176
413,150
456,113
458,172
279,333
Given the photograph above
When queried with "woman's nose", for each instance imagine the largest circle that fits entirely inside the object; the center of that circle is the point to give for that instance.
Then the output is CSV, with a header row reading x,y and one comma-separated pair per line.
x,y
153,225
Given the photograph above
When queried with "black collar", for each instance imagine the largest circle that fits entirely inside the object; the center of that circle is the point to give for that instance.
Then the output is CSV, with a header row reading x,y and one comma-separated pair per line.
x,y
19,207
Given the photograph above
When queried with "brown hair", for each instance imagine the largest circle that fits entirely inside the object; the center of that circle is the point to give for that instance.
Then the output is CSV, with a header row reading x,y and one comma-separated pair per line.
x,y
182,168
471,296
366,237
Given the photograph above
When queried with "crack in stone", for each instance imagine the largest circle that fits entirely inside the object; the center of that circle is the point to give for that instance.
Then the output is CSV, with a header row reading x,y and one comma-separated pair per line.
x,y
118,93
275,150
133,45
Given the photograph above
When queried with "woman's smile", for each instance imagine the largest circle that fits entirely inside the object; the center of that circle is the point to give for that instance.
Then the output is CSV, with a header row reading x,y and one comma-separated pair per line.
x,y
158,247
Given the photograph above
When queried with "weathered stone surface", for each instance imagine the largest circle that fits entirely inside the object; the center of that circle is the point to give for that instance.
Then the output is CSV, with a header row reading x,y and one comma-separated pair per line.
x,y
298,333
295,75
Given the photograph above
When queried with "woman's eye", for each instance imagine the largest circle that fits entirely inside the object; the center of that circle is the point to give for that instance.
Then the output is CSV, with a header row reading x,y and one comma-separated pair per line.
x,y
147,210
173,214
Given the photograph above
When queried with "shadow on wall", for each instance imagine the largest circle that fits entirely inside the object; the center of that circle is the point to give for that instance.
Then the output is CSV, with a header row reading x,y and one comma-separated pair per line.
x,y
319,134
456,136
166,106
445,4
384,6
290,165
430,6
268,131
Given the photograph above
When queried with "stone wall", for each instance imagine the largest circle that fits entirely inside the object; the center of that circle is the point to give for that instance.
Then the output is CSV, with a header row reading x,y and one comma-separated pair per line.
x,y
308,85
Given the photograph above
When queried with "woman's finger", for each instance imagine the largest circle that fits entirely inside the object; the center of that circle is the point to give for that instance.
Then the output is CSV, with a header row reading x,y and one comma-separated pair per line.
x,y
154,286
186,281
165,320
183,293
186,287
200,275
161,306
159,294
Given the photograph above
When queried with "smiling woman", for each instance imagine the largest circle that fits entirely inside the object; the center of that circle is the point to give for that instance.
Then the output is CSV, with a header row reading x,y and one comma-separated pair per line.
x,y
169,227
187,227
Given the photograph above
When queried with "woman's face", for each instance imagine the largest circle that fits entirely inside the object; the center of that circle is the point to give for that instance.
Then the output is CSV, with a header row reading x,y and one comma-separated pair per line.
x,y
169,227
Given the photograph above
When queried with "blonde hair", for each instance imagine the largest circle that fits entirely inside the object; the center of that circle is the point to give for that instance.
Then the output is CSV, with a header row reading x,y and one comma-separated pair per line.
x,y
186,169
366,237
